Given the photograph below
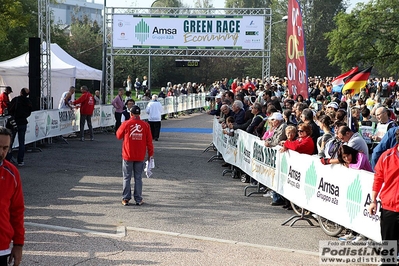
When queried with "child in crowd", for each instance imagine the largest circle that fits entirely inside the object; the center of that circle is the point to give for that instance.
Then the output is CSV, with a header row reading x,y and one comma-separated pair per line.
x,y
229,126
290,132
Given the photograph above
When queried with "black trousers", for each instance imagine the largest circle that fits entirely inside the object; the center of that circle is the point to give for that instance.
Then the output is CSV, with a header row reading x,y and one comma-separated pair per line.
x,y
4,260
118,117
155,129
389,225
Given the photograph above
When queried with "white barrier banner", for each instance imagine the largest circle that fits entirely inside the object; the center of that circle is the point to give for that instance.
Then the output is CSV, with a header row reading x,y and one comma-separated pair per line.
x,y
335,192
56,122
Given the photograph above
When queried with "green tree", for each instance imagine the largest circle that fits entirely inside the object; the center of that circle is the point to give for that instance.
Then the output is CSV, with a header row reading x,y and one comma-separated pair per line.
x,y
167,3
317,20
85,42
18,22
367,36
247,3
203,4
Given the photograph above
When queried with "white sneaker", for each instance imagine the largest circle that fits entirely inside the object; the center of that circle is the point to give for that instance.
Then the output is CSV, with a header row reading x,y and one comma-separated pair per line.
x,y
268,194
359,238
348,237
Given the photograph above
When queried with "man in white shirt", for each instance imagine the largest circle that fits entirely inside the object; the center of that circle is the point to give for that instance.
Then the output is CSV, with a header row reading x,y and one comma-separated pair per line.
x,y
66,98
154,110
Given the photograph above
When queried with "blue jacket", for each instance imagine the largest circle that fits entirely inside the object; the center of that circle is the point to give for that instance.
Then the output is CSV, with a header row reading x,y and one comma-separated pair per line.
x,y
387,142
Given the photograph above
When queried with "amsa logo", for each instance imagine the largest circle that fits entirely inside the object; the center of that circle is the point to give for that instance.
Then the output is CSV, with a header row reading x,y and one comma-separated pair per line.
x,y
161,31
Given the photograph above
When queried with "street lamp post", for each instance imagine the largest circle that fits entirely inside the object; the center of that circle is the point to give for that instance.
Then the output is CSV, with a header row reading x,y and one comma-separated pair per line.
x,y
283,19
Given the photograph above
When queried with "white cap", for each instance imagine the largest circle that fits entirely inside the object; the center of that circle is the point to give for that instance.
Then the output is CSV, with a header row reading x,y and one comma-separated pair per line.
x,y
276,116
333,105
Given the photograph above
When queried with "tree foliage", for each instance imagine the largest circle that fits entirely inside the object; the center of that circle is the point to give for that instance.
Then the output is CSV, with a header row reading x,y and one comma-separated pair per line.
x,y
85,42
247,3
318,18
18,22
203,4
367,36
167,3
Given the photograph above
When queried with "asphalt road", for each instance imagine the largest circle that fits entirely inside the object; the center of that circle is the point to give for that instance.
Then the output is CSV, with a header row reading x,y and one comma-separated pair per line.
x,y
192,214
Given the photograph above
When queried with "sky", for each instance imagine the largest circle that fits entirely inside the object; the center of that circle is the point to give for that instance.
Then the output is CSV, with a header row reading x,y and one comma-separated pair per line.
x,y
190,3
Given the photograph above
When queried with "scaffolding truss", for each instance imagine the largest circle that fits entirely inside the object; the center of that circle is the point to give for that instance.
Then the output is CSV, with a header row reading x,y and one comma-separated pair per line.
x,y
111,51
44,21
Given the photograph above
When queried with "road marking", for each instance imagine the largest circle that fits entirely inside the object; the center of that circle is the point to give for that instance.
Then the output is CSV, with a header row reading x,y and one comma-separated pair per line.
x,y
128,228
121,231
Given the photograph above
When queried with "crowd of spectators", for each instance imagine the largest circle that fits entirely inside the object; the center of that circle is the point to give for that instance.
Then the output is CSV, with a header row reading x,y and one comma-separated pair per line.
x,y
345,129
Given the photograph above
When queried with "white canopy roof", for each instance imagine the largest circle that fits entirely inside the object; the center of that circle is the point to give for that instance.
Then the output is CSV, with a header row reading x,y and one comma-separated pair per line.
x,y
64,71
62,65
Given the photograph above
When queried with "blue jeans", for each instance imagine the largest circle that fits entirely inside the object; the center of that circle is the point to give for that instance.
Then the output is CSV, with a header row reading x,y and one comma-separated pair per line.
x,y
276,197
135,168
83,119
21,143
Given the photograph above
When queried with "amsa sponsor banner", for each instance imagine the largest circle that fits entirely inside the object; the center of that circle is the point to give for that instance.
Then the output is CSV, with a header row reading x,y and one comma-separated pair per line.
x,y
335,192
340,194
241,32
248,153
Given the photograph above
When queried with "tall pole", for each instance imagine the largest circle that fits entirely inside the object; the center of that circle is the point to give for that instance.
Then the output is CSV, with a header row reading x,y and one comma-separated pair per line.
x,y
149,58
104,68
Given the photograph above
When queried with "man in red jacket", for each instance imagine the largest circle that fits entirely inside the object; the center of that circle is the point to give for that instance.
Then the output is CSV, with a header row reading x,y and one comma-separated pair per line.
x,y
386,172
87,103
137,140
11,206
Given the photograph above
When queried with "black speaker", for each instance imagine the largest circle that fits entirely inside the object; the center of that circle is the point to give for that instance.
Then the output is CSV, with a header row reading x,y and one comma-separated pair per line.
x,y
34,72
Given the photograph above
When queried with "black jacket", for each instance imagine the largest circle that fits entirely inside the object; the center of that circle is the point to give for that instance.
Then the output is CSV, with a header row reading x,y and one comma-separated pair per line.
x,y
20,109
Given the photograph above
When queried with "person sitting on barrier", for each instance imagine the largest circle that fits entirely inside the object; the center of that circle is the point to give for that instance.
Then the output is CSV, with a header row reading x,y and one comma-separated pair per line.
x,y
304,142
278,127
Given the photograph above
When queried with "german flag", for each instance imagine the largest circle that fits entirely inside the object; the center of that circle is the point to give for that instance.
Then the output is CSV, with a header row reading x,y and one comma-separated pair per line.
x,y
356,81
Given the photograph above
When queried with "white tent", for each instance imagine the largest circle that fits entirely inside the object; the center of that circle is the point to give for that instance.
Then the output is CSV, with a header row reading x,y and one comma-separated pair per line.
x,y
64,70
